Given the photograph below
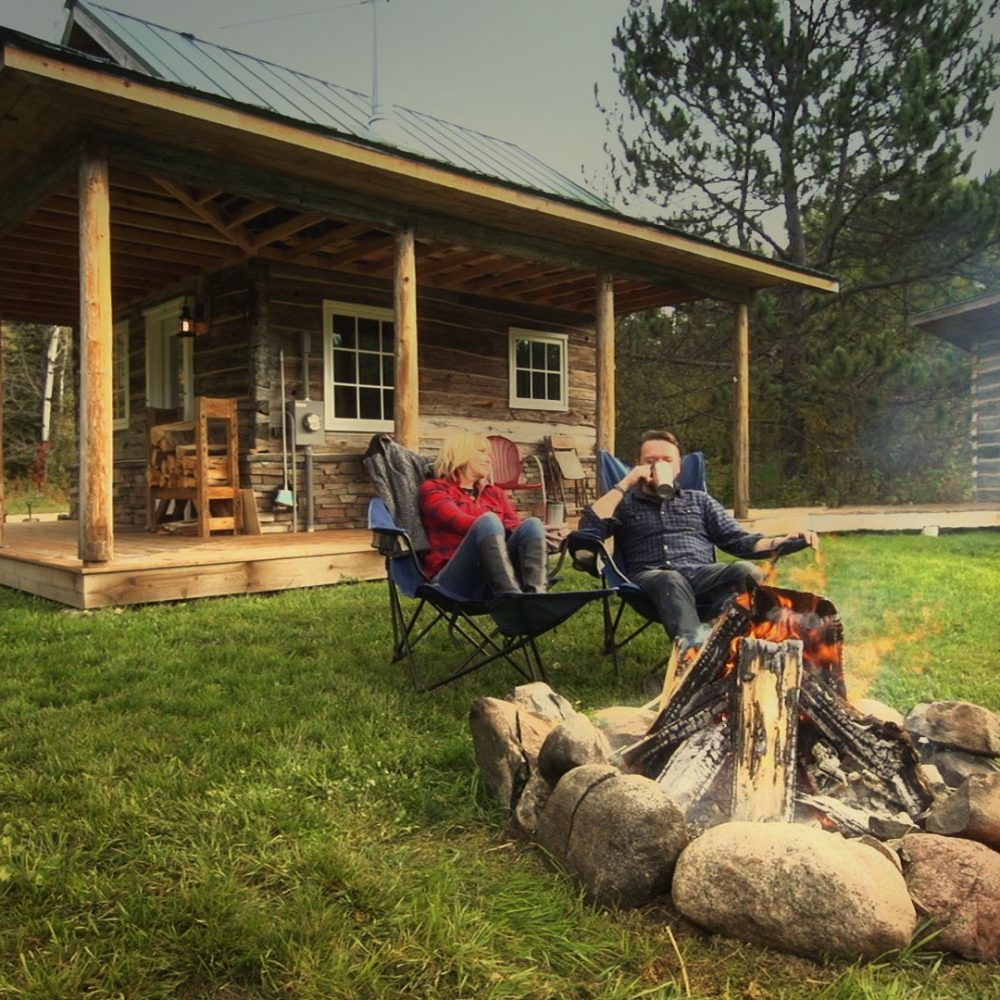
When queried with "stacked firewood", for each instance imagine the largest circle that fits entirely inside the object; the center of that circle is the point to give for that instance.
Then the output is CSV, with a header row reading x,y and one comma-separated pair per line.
x,y
173,460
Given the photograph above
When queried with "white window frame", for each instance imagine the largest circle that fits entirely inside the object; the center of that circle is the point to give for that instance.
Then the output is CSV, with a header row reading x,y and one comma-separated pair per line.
x,y
331,308
161,324
120,373
537,336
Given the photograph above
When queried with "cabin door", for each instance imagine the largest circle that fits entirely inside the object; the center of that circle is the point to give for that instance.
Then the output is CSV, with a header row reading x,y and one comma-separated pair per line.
x,y
169,361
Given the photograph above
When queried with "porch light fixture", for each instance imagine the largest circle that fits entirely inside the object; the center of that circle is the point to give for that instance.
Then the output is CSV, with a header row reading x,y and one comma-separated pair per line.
x,y
185,323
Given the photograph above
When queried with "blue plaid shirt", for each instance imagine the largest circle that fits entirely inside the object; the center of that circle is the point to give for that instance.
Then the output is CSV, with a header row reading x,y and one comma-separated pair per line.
x,y
679,533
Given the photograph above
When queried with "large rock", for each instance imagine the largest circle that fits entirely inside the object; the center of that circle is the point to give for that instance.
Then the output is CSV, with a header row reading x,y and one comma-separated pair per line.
x,y
623,725
539,699
957,724
971,811
506,741
957,884
572,743
617,834
796,889
879,710
957,765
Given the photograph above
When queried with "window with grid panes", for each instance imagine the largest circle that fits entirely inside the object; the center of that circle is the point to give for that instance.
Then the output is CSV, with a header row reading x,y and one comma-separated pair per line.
x,y
358,352
538,370
119,376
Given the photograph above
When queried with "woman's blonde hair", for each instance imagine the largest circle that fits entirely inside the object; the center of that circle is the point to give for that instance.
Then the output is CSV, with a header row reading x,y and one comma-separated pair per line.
x,y
458,449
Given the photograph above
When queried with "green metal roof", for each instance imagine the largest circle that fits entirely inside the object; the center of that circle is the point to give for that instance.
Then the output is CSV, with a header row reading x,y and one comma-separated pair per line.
x,y
179,57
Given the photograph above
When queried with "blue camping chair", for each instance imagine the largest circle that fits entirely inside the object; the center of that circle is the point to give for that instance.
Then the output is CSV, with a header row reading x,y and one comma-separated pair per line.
x,y
515,620
588,552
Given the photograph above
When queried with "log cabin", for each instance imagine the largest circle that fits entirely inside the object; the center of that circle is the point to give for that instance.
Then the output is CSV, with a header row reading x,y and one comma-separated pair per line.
x,y
974,326
215,226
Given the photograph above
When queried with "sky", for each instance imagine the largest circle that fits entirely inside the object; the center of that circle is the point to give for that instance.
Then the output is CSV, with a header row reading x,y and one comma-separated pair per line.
x,y
520,70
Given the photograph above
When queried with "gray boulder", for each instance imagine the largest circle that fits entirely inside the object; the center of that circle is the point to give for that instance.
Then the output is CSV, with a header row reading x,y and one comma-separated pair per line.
x,y
617,834
623,725
540,700
506,742
971,811
957,765
956,883
796,889
571,743
957,724
879,710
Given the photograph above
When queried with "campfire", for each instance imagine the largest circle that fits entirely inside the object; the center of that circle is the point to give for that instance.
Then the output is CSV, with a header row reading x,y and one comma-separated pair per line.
x,y
755,725
767,806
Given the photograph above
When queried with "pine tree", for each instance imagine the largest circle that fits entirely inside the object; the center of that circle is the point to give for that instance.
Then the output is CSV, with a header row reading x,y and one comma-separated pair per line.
x,y
834,136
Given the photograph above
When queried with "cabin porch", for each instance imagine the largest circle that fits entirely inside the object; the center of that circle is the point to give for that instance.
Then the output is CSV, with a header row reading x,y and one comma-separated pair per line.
x,y
40,557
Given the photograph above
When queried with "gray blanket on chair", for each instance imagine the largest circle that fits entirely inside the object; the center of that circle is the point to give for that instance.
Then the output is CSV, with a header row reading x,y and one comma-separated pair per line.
x,y
397,474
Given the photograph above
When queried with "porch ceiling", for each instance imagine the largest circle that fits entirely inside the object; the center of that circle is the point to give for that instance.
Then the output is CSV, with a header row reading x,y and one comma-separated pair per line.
x,y
198,184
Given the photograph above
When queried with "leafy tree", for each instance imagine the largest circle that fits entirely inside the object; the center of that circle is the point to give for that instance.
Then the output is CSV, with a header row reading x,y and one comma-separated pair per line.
x,y
25,355
834,136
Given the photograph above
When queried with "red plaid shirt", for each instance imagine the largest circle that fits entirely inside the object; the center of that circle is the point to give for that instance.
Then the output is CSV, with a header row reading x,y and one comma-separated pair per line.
x,y
448,512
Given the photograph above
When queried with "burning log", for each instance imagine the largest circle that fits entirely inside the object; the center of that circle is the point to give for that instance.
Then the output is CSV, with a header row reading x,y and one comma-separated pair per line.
x,y
889,763
765,730
768,686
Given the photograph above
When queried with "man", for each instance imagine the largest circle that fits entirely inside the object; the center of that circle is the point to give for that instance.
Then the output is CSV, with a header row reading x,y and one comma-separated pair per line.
x,y
666,544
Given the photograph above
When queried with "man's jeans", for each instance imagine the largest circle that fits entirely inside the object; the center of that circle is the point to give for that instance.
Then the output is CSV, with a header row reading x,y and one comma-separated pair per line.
x,y
463,574
677,596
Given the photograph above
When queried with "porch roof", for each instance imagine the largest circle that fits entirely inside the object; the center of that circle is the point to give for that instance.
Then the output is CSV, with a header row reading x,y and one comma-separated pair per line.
x,y
200,181
962,322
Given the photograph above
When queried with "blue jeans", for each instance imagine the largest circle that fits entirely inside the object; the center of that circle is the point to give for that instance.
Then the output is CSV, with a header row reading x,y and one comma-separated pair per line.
x,y
463,573
677,596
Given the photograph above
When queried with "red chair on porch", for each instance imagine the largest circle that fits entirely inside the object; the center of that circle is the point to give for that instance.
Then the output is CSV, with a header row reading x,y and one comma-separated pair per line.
x,y
508,468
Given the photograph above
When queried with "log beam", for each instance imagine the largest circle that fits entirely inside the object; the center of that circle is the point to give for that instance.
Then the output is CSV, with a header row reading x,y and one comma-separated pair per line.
x,y
96,539
765,730
741,411
605,326
406,408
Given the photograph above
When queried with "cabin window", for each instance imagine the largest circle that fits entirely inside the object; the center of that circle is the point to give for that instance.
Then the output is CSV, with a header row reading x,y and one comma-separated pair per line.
x,y
119,376
358,358
169,361
538,370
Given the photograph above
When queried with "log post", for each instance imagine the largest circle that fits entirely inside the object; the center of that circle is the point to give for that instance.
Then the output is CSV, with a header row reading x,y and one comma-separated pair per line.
x,y
605,329
96,538
765,730
3,494
741,411
406,407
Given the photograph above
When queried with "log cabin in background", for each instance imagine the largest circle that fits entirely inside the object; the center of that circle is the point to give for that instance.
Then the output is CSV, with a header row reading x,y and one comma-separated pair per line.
x,y
412,281
974,326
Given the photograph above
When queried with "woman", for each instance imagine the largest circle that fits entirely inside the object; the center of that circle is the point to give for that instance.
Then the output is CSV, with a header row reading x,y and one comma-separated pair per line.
x,y
480,547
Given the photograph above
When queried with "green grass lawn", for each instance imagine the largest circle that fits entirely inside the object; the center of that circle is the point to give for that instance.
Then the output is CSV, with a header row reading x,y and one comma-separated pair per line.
x,y
238,798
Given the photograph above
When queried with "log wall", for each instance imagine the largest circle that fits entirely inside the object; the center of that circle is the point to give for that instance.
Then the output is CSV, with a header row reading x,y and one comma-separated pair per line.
x,y
986,417
259,309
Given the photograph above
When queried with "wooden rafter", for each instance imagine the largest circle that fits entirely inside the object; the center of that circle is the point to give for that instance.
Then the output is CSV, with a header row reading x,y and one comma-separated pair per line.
x,y
347,232
296,224
208,214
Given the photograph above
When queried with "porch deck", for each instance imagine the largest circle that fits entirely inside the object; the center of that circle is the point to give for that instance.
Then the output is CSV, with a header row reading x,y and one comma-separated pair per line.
x,y
40,557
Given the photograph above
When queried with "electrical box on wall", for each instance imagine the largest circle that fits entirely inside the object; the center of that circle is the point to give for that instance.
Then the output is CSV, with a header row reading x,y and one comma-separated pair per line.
x,y
305,417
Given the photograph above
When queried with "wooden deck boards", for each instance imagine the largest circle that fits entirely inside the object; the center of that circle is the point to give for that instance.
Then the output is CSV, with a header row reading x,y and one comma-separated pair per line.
x,y
40,557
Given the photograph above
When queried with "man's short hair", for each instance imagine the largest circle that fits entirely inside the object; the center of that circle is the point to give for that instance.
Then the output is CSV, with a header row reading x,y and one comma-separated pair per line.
x,y
658,436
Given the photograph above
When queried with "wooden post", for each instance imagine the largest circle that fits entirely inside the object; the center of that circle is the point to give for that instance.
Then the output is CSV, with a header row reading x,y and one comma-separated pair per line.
x,y
3,494
96,539
741,412
406,409
605,327
765,730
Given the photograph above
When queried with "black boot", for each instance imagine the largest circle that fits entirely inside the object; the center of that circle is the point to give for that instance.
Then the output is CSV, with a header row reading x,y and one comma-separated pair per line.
x,y
497,565
535,566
